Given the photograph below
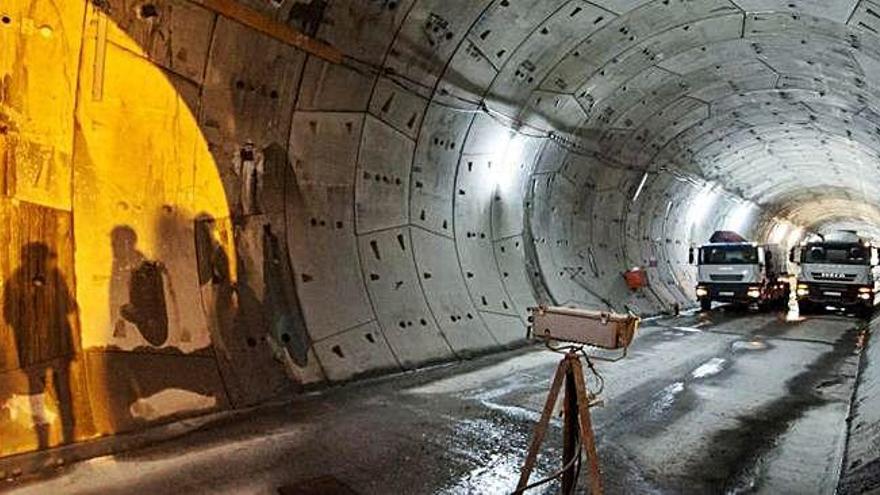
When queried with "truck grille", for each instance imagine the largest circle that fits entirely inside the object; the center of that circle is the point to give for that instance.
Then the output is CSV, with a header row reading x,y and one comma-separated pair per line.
x,y
725,278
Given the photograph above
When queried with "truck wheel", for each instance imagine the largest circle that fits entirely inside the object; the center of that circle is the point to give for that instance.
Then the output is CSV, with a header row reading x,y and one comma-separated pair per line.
x,y
705,304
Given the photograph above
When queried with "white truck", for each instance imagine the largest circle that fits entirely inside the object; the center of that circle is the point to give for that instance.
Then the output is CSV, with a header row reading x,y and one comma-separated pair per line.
x,y
733,270
840,269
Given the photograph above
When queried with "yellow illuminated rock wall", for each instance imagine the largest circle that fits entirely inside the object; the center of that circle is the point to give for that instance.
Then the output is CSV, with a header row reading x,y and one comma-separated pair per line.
x,y
126,300
41,363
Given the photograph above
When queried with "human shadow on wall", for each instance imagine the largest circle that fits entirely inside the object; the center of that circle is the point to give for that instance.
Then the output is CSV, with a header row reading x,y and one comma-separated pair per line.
x,y
148,383
216,283
38,306
281,301
137,290
252,307
236,319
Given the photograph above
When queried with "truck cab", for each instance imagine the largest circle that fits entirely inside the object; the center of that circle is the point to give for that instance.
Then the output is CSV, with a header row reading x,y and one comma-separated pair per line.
x,y
837,273
738,272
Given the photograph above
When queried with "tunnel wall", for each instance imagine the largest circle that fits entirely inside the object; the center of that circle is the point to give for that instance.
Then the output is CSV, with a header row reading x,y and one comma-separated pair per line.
x,y
861,470
234,219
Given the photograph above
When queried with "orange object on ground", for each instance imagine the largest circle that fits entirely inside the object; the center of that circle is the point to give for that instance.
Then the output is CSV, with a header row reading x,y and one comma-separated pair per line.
x,y
636,278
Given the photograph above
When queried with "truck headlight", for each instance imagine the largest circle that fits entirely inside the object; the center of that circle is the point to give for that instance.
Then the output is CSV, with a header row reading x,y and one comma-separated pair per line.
x,y
803,290
702,291
866,290
864,295
754,292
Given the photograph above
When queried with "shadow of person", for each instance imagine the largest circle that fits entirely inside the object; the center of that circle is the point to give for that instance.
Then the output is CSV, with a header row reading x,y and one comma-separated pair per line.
x,y
281,302
137,289
38,305
215,271
239,321
126,258
218,294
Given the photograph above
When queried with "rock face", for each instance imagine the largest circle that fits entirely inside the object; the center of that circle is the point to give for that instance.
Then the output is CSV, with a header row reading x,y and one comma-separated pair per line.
x,y
198,202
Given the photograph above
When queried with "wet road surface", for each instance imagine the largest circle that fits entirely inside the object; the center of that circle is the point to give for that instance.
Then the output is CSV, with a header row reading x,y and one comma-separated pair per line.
x,y
722,402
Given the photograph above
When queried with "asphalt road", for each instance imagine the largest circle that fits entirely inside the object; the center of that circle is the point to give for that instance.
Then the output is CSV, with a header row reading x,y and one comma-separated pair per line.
x,y
722,402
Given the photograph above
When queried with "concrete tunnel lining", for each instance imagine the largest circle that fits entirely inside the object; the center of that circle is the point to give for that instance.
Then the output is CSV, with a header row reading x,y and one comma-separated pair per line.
x,y
466,161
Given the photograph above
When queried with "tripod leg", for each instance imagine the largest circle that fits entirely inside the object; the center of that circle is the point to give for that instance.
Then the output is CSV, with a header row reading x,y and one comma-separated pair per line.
x,y
586,429
541,427
570,432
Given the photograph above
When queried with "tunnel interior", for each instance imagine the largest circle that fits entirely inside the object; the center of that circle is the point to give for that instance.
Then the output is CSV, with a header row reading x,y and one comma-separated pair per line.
x,y
237,200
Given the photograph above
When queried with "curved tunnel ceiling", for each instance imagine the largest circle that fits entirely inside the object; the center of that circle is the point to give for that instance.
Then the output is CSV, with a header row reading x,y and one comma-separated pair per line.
x,y
590,136
664,118
406,202
774,103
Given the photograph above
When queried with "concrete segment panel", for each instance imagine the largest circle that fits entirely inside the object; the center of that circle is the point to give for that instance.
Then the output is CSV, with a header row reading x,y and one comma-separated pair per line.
x,y
360,350
508,330
396,293
397,107
320,220
447,294
475,191
434,166
429,36
383,175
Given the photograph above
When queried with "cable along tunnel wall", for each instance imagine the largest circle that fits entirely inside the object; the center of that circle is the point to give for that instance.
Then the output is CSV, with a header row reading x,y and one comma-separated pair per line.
x,y
235,219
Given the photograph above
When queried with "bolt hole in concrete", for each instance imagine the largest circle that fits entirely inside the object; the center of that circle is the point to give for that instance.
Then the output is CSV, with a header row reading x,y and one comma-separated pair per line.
x,y
148,11
6,19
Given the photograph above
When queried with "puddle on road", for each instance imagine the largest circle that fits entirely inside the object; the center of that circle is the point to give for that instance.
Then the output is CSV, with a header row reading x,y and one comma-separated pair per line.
x,y
665,399
489,454
709,368
499,475
693,329
509,371
515,412
748,345
740,453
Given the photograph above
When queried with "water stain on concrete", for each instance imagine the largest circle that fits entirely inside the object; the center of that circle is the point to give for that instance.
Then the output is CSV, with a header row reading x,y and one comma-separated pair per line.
x,y
734,457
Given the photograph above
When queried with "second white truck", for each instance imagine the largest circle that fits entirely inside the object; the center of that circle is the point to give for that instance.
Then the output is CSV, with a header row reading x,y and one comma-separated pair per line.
x,y
839,270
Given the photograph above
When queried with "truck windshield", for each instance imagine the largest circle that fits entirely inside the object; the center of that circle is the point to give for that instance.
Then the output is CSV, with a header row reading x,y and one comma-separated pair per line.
x,y
729,255
838,254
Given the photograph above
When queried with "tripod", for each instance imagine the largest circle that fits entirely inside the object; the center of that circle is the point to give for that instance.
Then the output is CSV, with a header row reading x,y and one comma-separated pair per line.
x,y
576,423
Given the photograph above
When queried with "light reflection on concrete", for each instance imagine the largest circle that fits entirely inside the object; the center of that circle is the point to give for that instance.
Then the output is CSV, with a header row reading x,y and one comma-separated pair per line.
x,y
709,368
23,409
169,402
